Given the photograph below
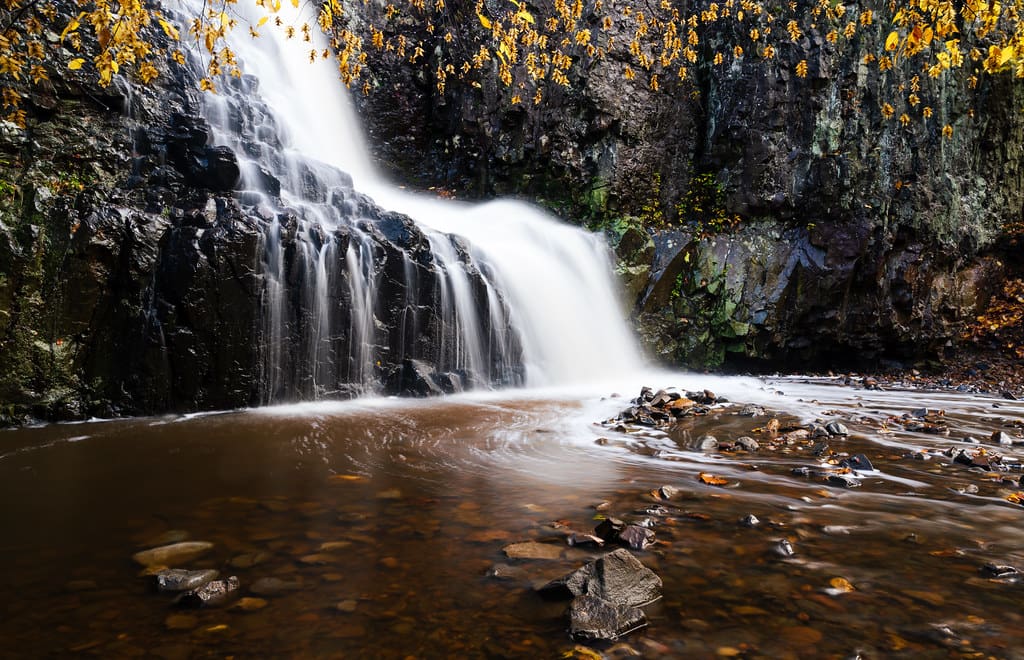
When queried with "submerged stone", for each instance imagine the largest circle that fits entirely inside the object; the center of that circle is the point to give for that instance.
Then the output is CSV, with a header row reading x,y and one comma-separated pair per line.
x,y
179,579
211,594
174,554
618,578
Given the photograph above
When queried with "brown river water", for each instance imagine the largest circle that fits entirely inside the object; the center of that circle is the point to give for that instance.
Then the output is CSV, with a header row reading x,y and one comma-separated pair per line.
x,y
387,520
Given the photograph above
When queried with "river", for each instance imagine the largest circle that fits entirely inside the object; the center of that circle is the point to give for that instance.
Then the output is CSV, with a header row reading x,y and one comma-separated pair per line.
x,y
416,499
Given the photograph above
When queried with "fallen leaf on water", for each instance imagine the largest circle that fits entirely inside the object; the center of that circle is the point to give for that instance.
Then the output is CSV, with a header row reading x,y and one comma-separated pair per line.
x,y
712,480
1016,498
841,585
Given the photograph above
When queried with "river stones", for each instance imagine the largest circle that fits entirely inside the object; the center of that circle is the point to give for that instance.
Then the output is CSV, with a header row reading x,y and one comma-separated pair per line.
x,y
174,554
270,586
180,579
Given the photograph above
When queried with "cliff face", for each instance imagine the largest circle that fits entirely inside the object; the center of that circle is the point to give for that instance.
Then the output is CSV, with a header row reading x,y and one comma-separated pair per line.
x,y
758,216
134,279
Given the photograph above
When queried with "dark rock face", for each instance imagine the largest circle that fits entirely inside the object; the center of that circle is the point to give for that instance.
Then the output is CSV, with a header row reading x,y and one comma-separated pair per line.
x,y
618,577
859,240
148,269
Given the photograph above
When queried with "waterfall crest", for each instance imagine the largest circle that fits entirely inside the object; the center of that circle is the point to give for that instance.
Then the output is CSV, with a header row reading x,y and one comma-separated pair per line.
x,y
429,295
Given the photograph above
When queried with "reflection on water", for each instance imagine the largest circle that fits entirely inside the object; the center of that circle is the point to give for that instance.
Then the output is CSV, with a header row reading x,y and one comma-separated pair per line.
x,y
414,500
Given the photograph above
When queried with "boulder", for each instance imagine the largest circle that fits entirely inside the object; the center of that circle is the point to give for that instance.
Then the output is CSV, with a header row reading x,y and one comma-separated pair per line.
x,y
617,578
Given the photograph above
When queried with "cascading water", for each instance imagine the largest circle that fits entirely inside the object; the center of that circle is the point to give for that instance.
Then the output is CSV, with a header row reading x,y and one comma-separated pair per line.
x,y
515,296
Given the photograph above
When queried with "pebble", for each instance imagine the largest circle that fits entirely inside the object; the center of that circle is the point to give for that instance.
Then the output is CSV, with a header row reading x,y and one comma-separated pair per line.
x,y
347,606
268,586
249,604
532,550
750,520
784,548
181,622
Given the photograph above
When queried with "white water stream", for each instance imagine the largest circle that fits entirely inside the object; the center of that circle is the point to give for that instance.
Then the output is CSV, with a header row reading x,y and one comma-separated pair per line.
x,y
556,280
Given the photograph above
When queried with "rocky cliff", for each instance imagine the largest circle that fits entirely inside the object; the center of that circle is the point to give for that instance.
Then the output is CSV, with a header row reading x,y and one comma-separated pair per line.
x,y
135,279
760,217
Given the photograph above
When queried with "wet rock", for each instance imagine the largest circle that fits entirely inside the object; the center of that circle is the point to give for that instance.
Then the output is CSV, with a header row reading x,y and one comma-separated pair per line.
x,y
592,618
172,555
248,604
1001,572
858,462
747,443
750,520
249,559
532,550
837,429
211,594
609,528
174,580
751,410
784,548
820,449
667,492
706,442
636,537
270,586
618,578
1002,438
181,622
347,606
818,431
843,481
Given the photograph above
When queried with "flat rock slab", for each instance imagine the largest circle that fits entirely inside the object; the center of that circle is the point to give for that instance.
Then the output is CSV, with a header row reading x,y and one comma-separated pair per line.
x,y
593,618
618,578
532,550
173,554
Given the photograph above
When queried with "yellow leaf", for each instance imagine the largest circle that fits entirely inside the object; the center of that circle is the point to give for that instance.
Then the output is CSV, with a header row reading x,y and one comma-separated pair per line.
x,y
712,480
169,29
484,21
841,584
76,63
71,27
892,42
1005,55
524,16
262,21
295,3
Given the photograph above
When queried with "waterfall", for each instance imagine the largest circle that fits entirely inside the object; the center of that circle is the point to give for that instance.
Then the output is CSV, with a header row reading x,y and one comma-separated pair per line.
x,y
489,294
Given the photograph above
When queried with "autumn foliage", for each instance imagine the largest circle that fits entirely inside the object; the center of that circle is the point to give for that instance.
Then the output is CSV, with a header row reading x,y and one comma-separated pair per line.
x,y
529,48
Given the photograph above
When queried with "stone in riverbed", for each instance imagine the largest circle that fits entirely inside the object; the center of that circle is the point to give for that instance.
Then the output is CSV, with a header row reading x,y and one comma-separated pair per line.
x,y
837,429
270,586
211,594
248,604
746,443
706,442
636,537
174,554
843,481
618,578
180,579
532,550
593,618
1002,438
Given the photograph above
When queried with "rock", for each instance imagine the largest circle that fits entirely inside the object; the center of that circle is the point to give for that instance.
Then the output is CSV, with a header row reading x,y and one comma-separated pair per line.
x,y
180,579
249,559
837,429
609,528
211,594
746,443
751,410
858,462
784,548
636,537
248,604
532,550
750,520
592,618
666,492
618,578
1002,438
1001,572
843,481
269,586
181,622
706,442
818,431
347,606
172,555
